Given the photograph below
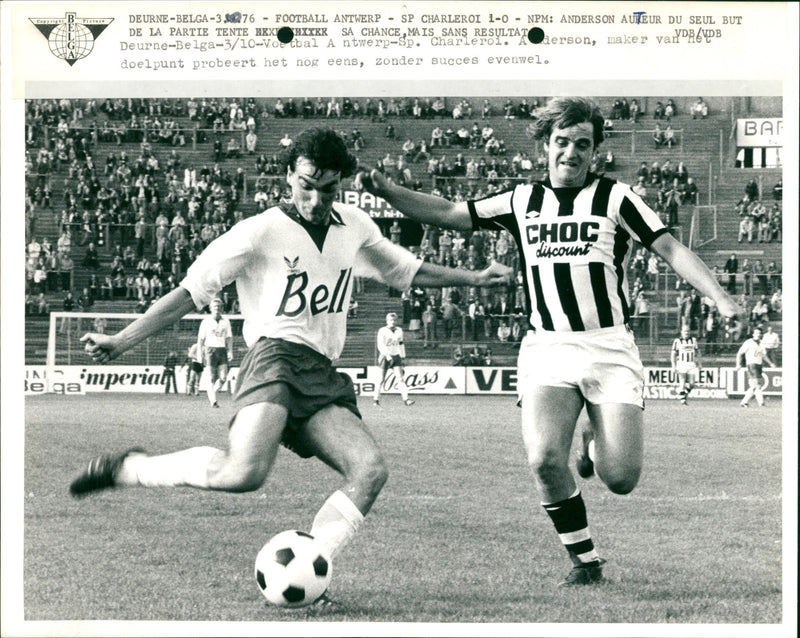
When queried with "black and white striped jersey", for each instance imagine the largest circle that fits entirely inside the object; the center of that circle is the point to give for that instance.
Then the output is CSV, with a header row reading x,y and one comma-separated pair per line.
x,y
574,245
685,349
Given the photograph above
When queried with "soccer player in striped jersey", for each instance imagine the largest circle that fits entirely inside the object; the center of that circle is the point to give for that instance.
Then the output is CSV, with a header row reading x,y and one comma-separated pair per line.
x,y
293,266
574,233
391,356
753,354
685,358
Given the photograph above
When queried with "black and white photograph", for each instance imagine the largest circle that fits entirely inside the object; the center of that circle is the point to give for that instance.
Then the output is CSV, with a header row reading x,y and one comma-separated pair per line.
x,y
520,271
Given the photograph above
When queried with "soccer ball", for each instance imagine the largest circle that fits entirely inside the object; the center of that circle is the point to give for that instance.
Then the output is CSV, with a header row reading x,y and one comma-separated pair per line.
x,y
293,569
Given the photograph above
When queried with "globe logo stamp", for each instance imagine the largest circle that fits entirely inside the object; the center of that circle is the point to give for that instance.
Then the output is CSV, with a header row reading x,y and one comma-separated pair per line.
x,y
71,38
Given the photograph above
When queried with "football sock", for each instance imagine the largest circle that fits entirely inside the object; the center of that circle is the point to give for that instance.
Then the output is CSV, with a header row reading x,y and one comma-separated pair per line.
x,y
403,389
187,467
759,396
212,391
748,395
336,522
569,519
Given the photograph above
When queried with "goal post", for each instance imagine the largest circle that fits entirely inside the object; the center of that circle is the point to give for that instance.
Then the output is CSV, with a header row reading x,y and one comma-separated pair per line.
x,y
703,229
65,349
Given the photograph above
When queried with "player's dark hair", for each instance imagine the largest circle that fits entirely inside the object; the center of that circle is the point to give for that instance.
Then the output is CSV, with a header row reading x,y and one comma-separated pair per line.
x,y
563,112
325,148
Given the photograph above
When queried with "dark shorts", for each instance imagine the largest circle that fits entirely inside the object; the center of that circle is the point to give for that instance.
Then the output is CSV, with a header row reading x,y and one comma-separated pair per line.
x,y
297,377
755,372
217,357
391,362
197,367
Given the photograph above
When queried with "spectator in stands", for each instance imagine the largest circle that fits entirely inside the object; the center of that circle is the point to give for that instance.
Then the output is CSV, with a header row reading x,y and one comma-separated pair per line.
x,y
747,222
285,142
777,191
760,311
91,259
64,242
658,136
773,277
437,137
700,109
772,344
670,110
640,188
635,111
658,111
752,190
503,331
776,223
250,141
334,108
731,268
51,269
669,202
669,136
428,326
233,149
438,108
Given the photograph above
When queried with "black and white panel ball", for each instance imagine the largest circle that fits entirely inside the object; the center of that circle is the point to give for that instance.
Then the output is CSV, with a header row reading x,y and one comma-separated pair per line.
x,y
293,569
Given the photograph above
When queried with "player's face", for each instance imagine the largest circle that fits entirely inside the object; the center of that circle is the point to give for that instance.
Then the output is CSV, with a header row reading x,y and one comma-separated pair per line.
x,y
756,335
390,321
569,154
313,190
684,332
216,310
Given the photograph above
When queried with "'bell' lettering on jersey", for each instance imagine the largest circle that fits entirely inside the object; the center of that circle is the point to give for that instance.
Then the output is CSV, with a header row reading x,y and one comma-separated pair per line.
x,y
294,300
574,245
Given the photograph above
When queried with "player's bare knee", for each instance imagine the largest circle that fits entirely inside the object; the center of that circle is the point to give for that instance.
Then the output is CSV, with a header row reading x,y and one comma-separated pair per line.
x,y
239,478
621,484
547,466
371,470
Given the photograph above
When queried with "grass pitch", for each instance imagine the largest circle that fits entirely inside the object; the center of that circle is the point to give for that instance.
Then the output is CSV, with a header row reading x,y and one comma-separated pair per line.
x,y
457,535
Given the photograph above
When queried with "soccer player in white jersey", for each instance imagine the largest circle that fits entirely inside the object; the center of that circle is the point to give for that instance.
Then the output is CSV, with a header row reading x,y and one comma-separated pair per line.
x,y
391,356
685,359
215,341
753,354
293,266
574,232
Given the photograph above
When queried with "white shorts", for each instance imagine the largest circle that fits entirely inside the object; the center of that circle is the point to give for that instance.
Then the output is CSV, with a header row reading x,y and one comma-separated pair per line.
x,y
688,368
603,365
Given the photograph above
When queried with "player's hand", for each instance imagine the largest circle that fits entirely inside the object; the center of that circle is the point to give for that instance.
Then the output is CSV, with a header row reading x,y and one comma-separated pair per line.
x,y
495,274
727,307
100,347
371,181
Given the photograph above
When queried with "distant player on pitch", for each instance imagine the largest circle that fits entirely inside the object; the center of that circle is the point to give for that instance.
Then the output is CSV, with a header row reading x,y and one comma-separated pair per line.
x,y
215,342
753,354
685,362
391,356
194,369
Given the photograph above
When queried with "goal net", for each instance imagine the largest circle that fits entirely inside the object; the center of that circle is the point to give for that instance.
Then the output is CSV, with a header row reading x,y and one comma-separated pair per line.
x,y
64,346
703,227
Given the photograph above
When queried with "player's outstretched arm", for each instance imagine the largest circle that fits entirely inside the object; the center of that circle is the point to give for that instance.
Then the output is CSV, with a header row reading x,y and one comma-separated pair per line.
x,y
435,275
424,208
691,268
166,311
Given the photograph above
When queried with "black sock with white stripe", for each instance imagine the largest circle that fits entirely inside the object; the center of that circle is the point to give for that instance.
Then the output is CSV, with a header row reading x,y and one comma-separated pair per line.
x,y
569,519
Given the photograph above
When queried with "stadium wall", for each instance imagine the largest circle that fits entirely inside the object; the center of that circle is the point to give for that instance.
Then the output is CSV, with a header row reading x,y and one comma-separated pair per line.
x,y
714,382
